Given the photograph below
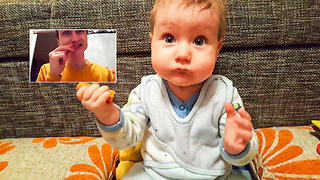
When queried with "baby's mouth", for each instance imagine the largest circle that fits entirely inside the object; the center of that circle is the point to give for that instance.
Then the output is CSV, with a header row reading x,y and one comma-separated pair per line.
x,y
181,70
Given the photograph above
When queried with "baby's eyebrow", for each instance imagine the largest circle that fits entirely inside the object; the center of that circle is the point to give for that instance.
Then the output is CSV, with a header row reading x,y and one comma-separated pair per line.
x,y
166,27
167,24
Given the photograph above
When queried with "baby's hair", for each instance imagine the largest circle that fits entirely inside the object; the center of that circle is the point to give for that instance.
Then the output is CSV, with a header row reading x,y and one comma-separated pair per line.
x,y
207,4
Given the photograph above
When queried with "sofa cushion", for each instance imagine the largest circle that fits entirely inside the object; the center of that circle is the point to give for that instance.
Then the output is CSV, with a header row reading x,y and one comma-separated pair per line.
x,y
16,19
287,153
57,158
250,23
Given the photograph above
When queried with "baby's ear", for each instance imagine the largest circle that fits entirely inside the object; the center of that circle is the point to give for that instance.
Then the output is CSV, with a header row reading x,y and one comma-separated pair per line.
x,y
220,44
150,35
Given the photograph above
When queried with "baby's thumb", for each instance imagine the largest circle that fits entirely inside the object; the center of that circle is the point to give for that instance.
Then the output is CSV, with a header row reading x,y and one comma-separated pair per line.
x,y
229,109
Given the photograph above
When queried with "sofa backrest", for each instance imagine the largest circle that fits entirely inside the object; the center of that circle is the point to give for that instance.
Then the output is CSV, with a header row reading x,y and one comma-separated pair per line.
x,y
271,52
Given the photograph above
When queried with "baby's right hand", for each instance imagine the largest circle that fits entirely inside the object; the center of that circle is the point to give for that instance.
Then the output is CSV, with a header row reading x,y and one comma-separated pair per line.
x,y
97,100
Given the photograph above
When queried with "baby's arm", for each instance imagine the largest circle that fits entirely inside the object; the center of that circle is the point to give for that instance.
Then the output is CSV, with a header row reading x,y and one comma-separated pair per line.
x,y
240,144
122,129
132,124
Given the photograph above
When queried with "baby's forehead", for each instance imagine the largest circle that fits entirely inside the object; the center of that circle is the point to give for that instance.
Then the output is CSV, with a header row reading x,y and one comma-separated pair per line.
x,y
174,10
182,5
186,19
205,4
200,7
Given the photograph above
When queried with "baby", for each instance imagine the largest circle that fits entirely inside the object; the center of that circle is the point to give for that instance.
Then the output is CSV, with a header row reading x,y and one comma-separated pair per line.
x,y
184,116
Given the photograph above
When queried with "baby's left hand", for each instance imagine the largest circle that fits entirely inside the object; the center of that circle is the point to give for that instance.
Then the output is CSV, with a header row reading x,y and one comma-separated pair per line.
x,y
238,130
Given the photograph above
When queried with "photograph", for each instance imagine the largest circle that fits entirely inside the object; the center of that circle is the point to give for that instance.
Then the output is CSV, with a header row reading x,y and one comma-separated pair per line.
x,y
73,55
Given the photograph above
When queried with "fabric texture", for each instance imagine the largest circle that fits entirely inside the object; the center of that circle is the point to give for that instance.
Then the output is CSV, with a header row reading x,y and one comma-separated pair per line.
x,y
287,153
68,158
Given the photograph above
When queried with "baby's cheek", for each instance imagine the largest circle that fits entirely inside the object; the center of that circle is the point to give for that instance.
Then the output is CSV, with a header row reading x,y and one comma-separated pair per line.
x,y
159,66
204,73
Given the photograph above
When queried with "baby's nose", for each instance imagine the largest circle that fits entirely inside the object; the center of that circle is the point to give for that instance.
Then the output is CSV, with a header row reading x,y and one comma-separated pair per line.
x,y
183,52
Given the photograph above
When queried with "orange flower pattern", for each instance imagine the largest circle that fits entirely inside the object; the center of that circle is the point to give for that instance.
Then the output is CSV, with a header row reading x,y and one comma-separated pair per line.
x,y
5,147
104,161
277,158
52,142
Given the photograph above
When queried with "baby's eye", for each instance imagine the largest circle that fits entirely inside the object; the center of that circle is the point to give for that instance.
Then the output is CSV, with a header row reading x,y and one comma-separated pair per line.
x,y
199,41
169,39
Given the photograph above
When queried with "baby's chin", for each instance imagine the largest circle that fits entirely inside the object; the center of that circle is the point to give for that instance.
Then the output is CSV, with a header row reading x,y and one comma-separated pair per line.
x,y
184,83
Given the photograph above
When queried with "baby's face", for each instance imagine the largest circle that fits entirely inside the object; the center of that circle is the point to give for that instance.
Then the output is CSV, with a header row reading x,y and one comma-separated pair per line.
x,y
185,43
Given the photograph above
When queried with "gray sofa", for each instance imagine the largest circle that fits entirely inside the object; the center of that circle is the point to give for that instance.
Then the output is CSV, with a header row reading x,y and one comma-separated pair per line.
x,y
271,52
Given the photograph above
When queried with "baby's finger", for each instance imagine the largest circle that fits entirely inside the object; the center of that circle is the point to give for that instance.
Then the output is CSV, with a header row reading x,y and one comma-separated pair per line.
x,y
80,92
103,97
89,91
244,135
244,114
243,123
97,93
230,110
82,84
